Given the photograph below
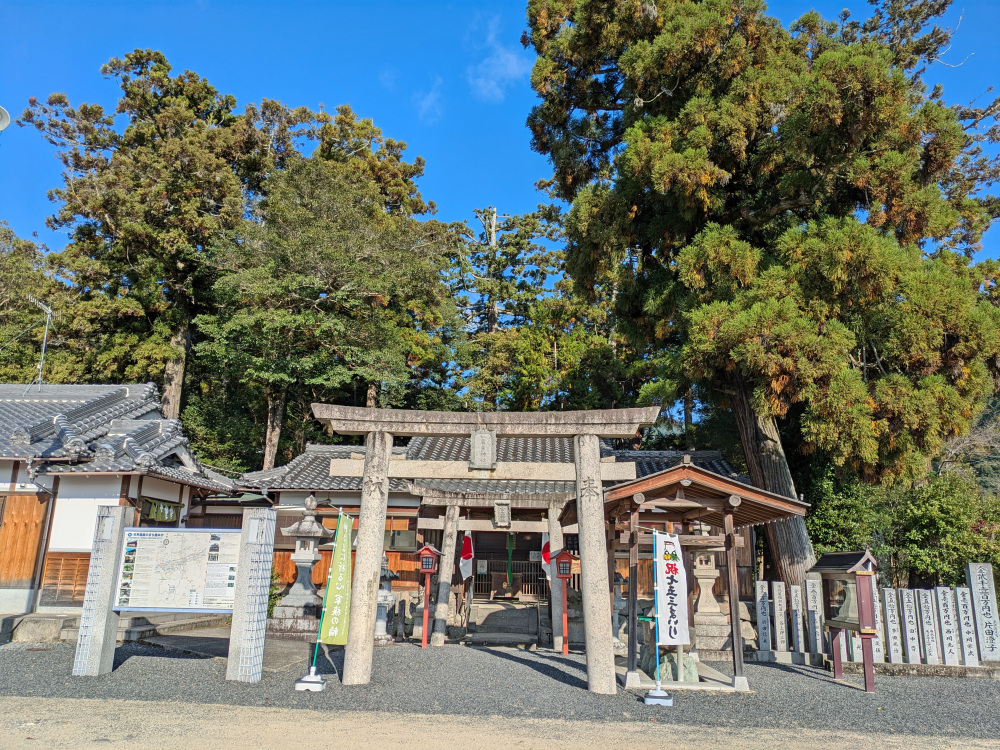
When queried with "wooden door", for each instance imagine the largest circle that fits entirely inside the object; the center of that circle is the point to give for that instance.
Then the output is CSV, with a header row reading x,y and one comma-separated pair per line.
x,y
21,520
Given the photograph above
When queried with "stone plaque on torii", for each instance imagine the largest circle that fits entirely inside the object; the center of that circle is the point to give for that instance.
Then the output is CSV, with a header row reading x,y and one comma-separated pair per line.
x,y
585,427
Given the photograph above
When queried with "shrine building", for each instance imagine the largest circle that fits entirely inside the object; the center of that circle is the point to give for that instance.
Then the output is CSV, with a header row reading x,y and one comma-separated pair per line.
x,y
508,478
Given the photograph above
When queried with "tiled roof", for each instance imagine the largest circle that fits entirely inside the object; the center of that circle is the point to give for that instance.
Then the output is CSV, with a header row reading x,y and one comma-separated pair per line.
x,y
456,448
82,429
311,470
59,421
204,478
503,486
650,462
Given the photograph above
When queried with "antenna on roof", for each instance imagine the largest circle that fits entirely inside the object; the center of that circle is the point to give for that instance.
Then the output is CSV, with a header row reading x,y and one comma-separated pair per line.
x,y
45,339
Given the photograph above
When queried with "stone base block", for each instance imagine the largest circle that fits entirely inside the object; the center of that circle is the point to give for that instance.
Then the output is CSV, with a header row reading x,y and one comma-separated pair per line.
x,y
983,672
16,601
790,657
632,681
295,611
297,628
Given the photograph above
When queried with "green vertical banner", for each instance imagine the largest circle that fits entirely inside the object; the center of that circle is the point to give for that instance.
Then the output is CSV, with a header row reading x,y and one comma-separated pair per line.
x,y
337,600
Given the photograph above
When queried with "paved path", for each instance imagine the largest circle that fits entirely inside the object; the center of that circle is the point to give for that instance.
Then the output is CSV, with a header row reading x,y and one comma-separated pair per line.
x,y
46,723
279,654
470,688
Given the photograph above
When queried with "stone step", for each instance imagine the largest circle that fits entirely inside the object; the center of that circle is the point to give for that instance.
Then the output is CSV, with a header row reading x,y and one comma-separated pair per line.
x,y
504,619
138,628
501,639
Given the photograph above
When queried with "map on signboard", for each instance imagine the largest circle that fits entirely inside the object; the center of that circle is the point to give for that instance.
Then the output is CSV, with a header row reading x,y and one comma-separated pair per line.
x,y
178,569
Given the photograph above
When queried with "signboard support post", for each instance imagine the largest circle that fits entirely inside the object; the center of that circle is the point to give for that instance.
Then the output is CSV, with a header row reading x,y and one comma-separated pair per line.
x,y
658,696
95,644
253,584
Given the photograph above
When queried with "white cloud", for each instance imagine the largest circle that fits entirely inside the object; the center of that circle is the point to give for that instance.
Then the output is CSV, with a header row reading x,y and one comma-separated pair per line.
x,y
387,78
430,104
502,67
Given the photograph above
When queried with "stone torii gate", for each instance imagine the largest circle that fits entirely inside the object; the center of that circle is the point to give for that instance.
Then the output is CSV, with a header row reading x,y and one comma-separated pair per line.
x,y
585,427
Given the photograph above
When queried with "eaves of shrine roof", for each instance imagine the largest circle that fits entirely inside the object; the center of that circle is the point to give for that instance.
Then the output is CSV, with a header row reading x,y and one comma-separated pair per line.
x,y
520,449
560,450
499,486
652,462
311,471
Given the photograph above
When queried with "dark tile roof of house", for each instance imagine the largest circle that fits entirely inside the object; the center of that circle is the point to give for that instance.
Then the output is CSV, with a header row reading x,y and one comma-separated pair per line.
x,y
79,429
60,421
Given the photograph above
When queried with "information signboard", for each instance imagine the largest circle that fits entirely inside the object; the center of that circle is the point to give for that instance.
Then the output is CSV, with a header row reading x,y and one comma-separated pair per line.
x,y
178,570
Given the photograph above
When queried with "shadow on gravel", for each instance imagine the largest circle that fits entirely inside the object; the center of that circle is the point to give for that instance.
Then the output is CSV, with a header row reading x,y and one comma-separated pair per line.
x,y
553,671
330,661
812,673
122,655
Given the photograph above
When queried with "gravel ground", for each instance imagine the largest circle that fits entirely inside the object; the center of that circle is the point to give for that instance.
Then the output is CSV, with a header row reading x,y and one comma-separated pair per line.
x,y
475,682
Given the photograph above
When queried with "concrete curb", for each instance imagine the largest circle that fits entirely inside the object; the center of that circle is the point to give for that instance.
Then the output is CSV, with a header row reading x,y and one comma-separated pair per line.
x,y
991,672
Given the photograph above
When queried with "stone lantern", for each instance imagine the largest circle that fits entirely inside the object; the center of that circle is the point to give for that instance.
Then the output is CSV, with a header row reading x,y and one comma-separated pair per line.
x,y
384,599
302,603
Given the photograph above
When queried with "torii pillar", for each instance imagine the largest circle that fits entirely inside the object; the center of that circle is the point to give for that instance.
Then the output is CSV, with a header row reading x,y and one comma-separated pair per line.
x,y
368,560
594,581
586,427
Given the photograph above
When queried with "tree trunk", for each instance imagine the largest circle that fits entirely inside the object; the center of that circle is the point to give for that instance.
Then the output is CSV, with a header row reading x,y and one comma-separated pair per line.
x,y
493,316
689,419
173,371
788,539
493,310
275,418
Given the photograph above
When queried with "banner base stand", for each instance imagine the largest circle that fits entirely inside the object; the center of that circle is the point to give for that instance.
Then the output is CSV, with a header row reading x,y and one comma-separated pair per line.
x,y
658,698
311,682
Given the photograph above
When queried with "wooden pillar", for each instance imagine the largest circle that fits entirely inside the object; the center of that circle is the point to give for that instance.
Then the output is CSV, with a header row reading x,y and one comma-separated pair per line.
x,y
594,569
445,572
368,559
15,469
43,544
123,498
739,680
611,573
633,594
555,582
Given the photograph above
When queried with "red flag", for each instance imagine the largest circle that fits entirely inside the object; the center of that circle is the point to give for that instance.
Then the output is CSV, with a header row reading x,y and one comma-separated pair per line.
x,y
546,556
465,564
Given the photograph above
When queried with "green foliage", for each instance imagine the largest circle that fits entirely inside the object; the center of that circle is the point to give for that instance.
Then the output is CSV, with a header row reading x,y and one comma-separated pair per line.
x,y
849,517
788,215
273,593
923,533
325,289
147,189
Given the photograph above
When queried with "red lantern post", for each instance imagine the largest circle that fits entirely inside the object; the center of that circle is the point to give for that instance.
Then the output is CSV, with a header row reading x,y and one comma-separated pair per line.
x,y
564,568
428,565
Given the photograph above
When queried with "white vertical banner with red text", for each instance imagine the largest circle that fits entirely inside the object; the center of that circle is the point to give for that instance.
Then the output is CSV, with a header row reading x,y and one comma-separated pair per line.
x,y
671,590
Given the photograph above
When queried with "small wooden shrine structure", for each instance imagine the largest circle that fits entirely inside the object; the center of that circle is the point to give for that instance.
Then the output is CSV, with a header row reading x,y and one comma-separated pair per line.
x,y
672,500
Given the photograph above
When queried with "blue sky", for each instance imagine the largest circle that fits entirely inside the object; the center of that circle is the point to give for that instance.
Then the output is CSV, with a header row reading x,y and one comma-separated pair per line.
x,y
450,79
